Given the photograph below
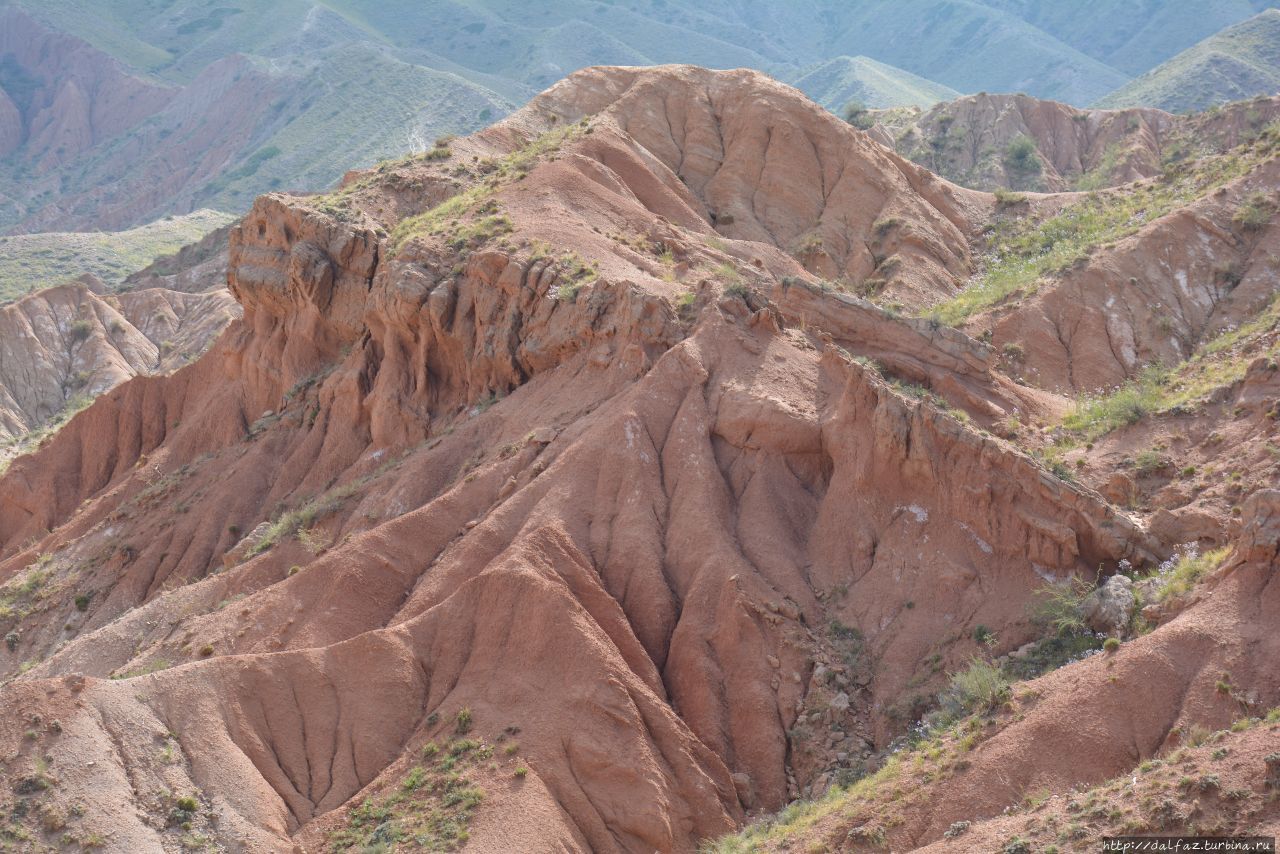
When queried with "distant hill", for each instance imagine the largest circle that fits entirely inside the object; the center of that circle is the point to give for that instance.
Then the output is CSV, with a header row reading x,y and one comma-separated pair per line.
x,y
1132,36
114,113
89,145
846,79
1240,62
31,262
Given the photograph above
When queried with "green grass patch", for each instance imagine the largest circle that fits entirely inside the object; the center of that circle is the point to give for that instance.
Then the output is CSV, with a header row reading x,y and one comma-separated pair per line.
x,y
300,519
801,816
16,446
30,262
1186,569
1220,362
430,809
447,217
1022,252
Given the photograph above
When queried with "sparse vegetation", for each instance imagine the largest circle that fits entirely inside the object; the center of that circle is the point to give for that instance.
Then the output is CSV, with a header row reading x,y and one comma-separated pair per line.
x,y
857,114
462,722
1256,212
1022,161
430,809
1021,252
979,688
1185,569
446,218
30,262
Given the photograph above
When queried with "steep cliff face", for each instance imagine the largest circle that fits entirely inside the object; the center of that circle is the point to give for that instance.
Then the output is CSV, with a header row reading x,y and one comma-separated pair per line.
x,y
557,443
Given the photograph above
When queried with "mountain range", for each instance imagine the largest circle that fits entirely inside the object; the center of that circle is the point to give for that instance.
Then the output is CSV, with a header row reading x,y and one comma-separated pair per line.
x,y
118,113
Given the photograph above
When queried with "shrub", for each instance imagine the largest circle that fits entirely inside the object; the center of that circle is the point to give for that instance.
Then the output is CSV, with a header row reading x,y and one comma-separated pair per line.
x,y
1021,154
1255,213
882,227
1130,403
1150,461
857,114
80,330
1006,198
462,723
1059,606
82,602
187,804
1185,568
980,687
1111,644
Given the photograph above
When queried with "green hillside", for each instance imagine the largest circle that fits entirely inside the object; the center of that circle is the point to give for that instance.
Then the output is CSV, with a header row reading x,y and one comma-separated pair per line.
x,y
847,79
338,84
29,262
1237,63
1132,36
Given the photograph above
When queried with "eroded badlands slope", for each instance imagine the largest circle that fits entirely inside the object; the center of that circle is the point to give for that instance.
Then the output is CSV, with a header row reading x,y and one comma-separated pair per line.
x,y
546,497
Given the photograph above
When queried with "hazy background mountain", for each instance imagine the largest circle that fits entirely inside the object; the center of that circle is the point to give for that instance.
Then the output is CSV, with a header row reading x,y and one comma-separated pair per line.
x,y
1239,62
115,113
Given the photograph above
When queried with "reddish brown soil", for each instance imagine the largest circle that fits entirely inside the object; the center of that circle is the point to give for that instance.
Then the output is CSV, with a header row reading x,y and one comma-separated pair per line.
x,y
637,517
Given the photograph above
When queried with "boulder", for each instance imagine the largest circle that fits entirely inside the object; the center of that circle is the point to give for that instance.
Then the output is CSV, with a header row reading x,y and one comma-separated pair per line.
x,y
1107,609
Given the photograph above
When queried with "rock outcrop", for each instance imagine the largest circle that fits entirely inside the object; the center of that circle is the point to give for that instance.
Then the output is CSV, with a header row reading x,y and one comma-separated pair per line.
x,y
974,140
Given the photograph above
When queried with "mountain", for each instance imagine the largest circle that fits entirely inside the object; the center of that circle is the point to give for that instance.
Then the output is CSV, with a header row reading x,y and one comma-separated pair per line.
x,y
1132,36
214,105
672,418
31,262
240,126
856,79
1238,63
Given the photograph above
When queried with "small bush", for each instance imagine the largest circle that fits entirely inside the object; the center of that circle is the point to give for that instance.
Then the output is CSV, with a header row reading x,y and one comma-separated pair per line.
x,y
1022,159
82,602
980,687
857,114
1059,606
1150,461
80,330
462,723
1184,570
1255,213
187,804
1133,401
1111,644
1006,198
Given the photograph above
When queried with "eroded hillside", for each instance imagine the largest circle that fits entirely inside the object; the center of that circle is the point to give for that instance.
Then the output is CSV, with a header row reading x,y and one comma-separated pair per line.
x,y
565,442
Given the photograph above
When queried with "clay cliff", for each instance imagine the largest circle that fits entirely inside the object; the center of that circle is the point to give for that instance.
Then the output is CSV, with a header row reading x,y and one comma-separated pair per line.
x,y
568,441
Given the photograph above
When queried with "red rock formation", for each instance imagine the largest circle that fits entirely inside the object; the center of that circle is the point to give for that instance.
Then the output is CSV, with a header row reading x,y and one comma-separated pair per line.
x,y
571,454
